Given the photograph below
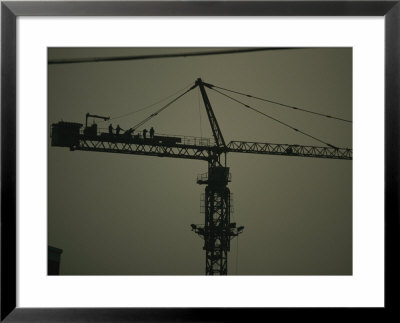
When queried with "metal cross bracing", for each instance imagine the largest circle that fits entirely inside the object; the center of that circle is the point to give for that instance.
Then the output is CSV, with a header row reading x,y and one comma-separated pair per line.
x,y
203,152
289,150
147,148
217,230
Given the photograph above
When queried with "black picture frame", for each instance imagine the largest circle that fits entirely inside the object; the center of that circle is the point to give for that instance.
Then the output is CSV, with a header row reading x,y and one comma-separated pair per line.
x,y
10,10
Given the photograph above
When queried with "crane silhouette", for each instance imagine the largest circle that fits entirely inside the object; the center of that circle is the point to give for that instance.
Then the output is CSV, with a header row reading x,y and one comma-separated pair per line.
x,y
217,230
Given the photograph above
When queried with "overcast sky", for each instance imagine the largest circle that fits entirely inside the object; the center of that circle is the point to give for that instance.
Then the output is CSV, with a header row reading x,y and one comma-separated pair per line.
x,y
130,215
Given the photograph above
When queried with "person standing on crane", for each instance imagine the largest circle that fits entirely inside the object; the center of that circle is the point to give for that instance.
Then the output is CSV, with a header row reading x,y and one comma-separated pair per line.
x,y
110,129
144,133
151,132
118,130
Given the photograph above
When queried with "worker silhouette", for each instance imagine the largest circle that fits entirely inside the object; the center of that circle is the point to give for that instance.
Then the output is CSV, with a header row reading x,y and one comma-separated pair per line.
x,y
152,132
110,129
144,133
118,129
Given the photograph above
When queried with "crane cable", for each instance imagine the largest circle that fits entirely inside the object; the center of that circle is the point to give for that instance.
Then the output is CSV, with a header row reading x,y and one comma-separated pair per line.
x,y
162,108
148,106
272,118
281,104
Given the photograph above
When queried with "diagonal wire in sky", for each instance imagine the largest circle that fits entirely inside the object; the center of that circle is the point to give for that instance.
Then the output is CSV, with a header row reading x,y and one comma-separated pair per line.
x,y
154,56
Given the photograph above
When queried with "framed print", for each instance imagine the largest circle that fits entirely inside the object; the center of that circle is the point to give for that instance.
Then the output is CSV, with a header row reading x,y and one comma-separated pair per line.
x,y
259,100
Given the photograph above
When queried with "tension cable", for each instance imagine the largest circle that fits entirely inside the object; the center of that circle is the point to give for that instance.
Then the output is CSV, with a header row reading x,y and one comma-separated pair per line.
x,y
272,118
279,103
162,108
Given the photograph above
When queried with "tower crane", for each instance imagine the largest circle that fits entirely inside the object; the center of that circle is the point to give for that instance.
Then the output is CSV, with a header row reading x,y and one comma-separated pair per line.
x,y
217,230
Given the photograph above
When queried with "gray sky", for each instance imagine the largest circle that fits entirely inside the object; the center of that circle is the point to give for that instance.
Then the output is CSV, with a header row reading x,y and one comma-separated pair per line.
x,y
130,215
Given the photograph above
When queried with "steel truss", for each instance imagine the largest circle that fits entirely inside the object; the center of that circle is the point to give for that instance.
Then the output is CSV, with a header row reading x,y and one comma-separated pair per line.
x,y
148,149
217,220
290,150
217,230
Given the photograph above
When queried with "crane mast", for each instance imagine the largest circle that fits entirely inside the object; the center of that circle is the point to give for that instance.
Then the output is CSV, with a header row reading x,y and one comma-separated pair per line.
x,y
217,230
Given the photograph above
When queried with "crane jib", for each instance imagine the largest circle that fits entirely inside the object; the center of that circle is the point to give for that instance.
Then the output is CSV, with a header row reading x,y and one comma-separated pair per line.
x,y
69,134
290,150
